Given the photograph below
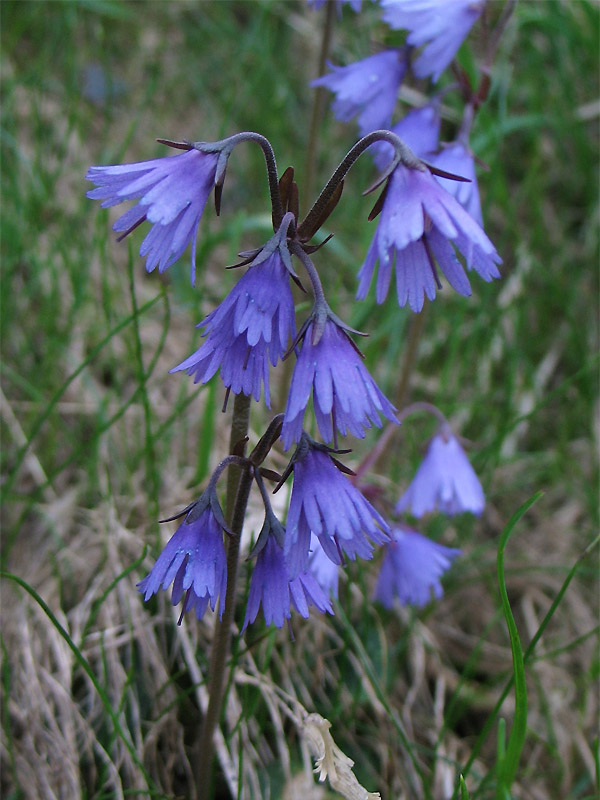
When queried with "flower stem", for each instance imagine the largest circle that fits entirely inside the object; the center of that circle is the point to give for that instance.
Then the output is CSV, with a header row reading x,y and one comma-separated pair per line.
x,y
238,488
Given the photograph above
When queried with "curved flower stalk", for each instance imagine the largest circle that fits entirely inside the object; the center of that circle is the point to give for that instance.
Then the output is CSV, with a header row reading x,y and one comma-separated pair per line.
x,y
423,225
419,129
345,396
441,25
252,326
325,503
412,568
171,194
445,480
272,588
368,88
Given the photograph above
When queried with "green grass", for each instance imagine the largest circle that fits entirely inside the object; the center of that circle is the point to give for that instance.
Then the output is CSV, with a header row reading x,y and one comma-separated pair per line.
x,y
99,441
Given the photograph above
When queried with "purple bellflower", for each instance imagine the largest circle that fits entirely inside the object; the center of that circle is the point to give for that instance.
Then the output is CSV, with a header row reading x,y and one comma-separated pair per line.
x,y
327,504
441,24
193,561
171,194
251,327
271,587
422,224
445,480
345,396
419,130
326,573
411,569
368,88
458,159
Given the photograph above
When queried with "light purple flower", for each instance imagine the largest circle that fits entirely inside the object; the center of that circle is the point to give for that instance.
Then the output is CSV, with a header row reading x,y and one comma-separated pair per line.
x,y
344,394
251,327
325,572
419,130
442,24
172,194
411,569
325,503
368,88
194,562
422,224
458,159
271,587
445,481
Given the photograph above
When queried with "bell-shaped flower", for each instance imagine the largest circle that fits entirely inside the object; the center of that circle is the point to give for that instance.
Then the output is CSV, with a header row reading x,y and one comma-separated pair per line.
x,y
441,25
445,480
411,569
251,327
171,194
345,396
193,561
272,588
422,225
327,504
368,88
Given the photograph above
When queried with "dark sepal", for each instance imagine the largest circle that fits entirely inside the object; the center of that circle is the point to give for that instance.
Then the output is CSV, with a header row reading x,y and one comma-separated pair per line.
x,y
304,234
184,145
285,187
376,210
441,173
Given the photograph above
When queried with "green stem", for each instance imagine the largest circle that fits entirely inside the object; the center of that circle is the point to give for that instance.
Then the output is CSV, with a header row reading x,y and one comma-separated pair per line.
x,y
238,488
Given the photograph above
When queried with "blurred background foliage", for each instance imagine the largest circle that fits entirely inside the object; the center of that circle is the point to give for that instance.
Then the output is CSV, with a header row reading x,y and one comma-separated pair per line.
x,y
99,442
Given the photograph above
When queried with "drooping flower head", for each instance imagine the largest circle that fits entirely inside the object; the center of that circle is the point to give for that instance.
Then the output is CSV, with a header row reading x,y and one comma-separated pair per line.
x,y
412,568
326,503
419,130
251,327
271,587
345,396
171,194
444,481
422,225
440,24
368,88
193,561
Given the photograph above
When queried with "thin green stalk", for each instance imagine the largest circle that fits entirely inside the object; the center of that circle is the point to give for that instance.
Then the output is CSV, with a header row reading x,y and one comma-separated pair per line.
x,y
238,488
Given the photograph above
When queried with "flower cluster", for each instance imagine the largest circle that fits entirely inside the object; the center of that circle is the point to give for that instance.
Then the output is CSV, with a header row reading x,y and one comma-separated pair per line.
x,y
430,222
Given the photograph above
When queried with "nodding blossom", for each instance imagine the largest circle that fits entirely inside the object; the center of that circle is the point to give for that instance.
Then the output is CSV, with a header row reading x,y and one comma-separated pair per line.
x,y
251,327
421,226
445,480
194,562
441,25
368,88
324,502
271,587
345,396
411,569
171,194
